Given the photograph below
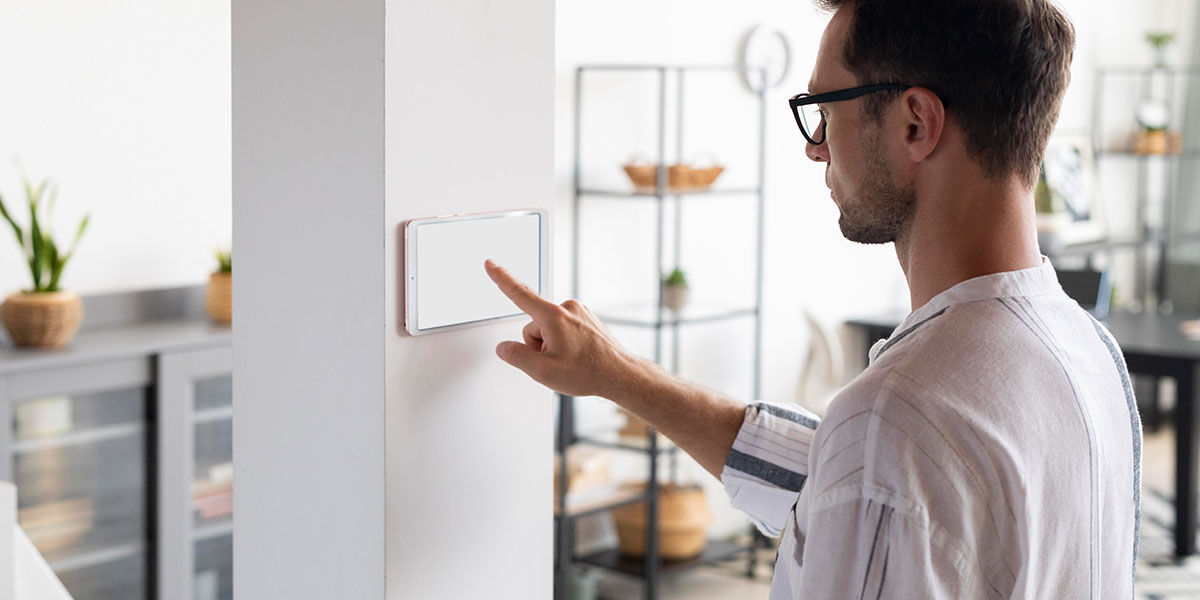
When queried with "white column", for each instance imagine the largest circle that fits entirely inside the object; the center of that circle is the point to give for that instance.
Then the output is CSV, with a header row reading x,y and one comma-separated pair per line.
x,y
370,464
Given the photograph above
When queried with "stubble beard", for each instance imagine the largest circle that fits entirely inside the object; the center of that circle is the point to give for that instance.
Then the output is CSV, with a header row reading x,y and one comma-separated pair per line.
x,y
884,208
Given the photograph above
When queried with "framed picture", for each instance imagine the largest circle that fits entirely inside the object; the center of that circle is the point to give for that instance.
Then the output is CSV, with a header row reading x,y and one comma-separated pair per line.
x,y
1068,203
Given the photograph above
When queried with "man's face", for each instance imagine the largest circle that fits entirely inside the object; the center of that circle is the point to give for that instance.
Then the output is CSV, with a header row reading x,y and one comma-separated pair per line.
x,y
876,205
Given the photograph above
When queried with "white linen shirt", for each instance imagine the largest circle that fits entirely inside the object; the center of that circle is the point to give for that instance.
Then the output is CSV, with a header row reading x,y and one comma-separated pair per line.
x,y
991,449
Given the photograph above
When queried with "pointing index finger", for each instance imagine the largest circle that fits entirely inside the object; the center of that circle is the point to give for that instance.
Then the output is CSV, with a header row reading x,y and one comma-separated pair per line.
x,y
525,298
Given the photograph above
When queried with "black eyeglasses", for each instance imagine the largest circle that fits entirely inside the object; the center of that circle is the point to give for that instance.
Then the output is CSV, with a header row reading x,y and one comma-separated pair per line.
x,y
812,121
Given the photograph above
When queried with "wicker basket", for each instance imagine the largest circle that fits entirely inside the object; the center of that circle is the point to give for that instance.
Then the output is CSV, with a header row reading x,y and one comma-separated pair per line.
x,y
43,319
1157,142
678,176
683,520
218,298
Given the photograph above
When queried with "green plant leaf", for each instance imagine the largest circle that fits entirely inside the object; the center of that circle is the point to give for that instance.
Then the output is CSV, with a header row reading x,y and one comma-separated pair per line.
x,y
16,228
48,222
677,277
35,232
53,266
66,257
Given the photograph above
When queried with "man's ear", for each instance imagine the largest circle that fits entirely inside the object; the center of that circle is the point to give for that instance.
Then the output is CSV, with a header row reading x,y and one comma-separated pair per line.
x,y
926,118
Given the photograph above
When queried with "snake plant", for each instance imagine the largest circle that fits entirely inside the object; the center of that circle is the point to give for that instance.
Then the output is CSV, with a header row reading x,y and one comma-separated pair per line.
x,y
37,243
224,260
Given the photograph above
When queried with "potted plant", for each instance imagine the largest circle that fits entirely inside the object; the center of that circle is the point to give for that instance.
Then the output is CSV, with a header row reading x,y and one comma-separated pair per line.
x,y
1051,218
43,316
218,298
1159,41
675,290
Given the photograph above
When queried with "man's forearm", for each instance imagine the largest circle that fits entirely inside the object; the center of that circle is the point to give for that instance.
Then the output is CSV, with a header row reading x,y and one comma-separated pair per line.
x,y
700,421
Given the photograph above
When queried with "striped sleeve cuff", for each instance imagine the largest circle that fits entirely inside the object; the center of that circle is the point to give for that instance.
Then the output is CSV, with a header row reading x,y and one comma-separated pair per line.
x,y
768,463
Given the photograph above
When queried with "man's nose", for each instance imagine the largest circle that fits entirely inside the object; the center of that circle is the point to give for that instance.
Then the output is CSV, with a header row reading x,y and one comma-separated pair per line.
x,y
817,152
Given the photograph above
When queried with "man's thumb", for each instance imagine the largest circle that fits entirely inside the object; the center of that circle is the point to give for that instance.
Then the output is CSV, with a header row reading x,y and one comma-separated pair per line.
x,y
518,355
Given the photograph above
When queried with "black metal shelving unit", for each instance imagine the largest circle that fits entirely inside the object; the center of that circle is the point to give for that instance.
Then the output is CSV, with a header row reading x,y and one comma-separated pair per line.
x,y
661,320
1152,242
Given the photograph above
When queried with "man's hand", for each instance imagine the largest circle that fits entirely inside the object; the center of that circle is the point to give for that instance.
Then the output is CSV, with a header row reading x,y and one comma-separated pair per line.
x,y
567,348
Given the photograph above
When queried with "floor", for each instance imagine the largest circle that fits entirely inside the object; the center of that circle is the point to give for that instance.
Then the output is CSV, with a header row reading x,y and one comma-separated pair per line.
x,y
1160,577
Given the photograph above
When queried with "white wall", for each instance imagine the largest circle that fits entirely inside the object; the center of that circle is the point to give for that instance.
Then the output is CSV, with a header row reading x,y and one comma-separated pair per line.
x,y
470,439
808,264
308,188
125,104
372,464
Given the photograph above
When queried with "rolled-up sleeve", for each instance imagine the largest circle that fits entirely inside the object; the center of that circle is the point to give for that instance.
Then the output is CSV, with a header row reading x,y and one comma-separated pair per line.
x,y
768,463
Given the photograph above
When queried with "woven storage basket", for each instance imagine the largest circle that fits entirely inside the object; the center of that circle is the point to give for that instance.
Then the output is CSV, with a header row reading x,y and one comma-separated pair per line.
x,y
218,298
42,320
683,520
678,176
1157,142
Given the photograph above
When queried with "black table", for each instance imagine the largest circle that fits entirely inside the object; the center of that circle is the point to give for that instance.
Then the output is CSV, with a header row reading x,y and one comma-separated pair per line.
x,y
1153,345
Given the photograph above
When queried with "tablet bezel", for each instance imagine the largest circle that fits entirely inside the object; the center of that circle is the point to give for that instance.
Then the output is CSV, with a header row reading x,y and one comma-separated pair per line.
x,y
410,264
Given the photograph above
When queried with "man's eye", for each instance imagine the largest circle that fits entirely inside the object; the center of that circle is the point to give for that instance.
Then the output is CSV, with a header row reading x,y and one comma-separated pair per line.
x,y
824,113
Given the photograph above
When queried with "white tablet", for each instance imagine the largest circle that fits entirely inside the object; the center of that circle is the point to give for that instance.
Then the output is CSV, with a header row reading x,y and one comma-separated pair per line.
x,y
445,284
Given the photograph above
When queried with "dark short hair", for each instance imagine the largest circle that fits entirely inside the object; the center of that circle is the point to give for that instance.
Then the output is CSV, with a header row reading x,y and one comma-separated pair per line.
x,y
1000,66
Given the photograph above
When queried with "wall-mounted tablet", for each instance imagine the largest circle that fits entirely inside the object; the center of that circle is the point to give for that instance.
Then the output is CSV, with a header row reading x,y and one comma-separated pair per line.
x,y
445,284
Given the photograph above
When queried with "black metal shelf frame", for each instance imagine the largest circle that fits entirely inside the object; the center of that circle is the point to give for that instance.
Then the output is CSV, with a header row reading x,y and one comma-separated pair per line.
x,y
651,568
1150,271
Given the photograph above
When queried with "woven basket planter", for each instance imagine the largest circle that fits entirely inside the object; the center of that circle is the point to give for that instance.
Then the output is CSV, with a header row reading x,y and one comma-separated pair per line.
x,y
1157,142
42,320
683,520
218,297
678,176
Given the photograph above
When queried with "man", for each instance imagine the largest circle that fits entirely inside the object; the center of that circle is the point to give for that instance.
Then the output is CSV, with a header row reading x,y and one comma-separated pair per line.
x,y
992,447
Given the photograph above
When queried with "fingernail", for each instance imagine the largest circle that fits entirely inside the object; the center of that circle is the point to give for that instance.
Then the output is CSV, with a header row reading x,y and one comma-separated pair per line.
x,y
489,263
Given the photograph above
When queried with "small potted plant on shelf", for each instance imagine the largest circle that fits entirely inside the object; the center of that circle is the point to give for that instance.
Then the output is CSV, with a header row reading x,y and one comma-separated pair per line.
x,y
218,298
1159,41
1051,218
43,316
675,290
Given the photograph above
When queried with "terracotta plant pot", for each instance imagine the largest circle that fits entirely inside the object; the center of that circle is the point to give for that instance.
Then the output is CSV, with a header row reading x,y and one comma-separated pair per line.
x,y
42,319
218,297
674,297
683,520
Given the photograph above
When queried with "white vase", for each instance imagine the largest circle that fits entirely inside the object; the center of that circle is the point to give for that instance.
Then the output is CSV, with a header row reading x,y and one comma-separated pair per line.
x,y
674,296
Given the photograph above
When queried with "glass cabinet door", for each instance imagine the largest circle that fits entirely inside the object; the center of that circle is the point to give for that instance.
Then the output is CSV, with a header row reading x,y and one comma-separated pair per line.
x,y
81,461
196,475
212,489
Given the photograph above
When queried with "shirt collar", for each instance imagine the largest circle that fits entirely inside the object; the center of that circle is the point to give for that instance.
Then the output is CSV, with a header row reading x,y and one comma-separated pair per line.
x,y
1023,282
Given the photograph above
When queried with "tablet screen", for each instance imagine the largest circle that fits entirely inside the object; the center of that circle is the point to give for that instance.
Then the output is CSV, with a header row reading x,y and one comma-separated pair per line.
x,y
451,284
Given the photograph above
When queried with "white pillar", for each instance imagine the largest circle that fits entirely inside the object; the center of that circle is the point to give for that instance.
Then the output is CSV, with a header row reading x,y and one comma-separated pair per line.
x,y
370,464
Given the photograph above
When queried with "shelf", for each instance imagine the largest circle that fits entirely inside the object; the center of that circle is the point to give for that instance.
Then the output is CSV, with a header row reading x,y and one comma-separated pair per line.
x,y
716,551
1135,70
214,530
1090,247
77,438
130,341
1128,153
208,415
617,500
650,192
643,315
97,557
631,444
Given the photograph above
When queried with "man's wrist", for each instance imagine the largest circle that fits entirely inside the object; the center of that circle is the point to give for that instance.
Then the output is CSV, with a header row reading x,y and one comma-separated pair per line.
x,y
638,378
